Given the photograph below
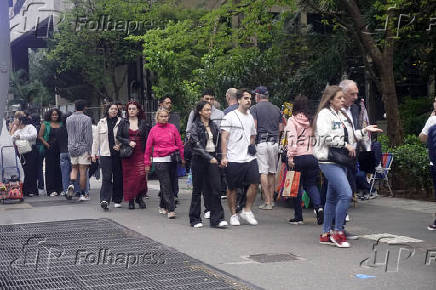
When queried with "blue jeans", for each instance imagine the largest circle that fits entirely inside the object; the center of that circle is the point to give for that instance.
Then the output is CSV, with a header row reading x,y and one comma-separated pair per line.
x,y
338,197
65,163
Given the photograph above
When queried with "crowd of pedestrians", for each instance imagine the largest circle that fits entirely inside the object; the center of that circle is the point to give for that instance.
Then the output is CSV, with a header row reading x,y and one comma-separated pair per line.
x,y
230,153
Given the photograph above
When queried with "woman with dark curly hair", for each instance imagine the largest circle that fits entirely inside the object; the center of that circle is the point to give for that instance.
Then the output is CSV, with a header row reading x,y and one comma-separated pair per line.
x,y
133,132
49,136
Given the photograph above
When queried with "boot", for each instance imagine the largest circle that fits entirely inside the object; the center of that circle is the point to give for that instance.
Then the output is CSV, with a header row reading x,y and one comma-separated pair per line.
x,y
131,204
140,201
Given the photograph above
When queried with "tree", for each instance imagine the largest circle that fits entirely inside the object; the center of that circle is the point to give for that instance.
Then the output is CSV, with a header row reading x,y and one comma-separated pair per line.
x,y
362,20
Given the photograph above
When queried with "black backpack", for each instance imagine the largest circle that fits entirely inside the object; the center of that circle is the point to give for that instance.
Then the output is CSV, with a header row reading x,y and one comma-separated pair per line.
x,y
431,143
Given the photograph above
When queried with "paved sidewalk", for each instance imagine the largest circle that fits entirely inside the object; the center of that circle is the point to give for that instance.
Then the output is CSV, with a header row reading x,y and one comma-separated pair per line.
x,y
315,265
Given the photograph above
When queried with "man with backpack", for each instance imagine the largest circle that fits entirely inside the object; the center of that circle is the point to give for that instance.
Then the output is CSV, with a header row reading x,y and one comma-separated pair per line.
x,y
428,135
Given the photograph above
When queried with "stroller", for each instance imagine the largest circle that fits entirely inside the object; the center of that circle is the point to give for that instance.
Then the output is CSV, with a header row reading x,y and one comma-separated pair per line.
x,y
10,185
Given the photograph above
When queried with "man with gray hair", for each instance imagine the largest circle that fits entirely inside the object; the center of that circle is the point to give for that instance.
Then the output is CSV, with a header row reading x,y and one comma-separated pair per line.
x,y
232,100
268,121
351,93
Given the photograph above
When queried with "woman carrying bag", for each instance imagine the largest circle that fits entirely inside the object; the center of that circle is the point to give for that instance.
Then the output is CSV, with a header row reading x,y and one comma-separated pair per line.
x,y
132,134
24,138
108,149
300,158
205,143
335,152
167,147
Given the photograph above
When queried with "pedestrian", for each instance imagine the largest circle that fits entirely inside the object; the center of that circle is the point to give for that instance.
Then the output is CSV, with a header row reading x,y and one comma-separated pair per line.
x,y
300,158
23,130
268,122
238,134
174,118
49,136
205,143
64,156
133,132
428,136
216,116
165,144
106,148
335,135
79,130
36,122
232,101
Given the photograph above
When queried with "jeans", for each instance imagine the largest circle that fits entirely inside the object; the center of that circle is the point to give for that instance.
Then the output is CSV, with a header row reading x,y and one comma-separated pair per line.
x,y
112,183
206,179
165,174
308,166
338,196
65,164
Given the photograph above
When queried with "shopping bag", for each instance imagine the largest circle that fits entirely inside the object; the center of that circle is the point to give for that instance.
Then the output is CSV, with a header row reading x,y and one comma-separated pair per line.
x,y
292,184
305,199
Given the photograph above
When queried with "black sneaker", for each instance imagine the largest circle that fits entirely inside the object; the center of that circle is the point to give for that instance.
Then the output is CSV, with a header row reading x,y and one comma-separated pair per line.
x,y
295,221
320,216
104,205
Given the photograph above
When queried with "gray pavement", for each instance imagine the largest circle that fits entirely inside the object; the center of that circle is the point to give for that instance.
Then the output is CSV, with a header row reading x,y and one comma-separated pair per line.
x,y
317,266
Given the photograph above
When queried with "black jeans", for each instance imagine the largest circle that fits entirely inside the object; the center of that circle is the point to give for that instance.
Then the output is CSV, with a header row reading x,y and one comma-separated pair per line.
x,y
308,166
29,163
206,179
53,174
165,174
112,183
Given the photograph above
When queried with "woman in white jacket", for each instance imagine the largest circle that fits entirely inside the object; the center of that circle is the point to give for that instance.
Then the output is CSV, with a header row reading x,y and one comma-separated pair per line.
x,y
334,132
24,130
107,147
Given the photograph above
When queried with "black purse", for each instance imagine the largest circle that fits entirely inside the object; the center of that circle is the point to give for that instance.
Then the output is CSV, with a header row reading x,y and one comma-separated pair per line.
x,y
340,156
175,157
125,151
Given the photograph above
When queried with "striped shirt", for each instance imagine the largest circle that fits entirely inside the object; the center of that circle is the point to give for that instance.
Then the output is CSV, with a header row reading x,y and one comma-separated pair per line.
x,y
79,128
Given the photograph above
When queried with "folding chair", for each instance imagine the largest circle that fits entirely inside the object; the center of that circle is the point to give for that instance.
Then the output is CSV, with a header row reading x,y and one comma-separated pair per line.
x,y
381,173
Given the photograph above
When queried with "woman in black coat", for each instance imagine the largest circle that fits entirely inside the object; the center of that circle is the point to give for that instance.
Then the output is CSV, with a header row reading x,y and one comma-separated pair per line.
x,y
205,144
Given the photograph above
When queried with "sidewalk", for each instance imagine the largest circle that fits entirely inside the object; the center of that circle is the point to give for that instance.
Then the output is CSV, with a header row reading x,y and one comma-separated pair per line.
x,y
249,252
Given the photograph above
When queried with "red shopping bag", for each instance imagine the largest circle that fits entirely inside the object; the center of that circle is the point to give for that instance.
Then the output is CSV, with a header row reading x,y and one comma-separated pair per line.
x,y
292,184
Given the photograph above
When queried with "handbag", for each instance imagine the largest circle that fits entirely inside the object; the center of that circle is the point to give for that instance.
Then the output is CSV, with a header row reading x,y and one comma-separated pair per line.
x,y
23,146
175,157
340,155
126,151
292,184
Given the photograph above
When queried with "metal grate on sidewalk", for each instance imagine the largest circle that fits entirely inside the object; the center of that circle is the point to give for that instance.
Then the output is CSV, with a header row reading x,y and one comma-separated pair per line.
x,y
98,254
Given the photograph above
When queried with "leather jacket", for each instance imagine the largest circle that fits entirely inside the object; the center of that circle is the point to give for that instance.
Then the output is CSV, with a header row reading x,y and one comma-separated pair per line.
x,y
198,140
123,132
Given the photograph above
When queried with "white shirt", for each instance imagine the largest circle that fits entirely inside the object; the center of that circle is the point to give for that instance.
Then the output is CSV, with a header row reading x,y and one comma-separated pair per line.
x,y
430,122
240,127
27,133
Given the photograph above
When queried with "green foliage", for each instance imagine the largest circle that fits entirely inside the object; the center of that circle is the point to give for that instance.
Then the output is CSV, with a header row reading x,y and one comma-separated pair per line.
x,y
414,113
411,164
27,91
384,141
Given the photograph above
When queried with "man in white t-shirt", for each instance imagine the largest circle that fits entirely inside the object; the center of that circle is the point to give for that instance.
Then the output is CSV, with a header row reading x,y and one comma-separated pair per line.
x,y
238,134
423,137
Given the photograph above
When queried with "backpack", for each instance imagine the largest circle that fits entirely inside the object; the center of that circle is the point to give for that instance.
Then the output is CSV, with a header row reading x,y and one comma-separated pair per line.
x,y
431,144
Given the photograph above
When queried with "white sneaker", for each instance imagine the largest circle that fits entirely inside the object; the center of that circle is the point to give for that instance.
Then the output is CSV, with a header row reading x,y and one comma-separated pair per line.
x,y
234,220
54,193
199,225
347,218
207,215
248,216
223,224
117,205
84,198
163,211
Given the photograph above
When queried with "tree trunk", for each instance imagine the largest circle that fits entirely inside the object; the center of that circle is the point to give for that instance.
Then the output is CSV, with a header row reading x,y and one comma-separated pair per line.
x,y
390,100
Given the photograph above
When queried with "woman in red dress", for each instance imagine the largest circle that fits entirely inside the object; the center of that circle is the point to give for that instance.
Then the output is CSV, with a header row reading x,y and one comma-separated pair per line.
x,y
133,132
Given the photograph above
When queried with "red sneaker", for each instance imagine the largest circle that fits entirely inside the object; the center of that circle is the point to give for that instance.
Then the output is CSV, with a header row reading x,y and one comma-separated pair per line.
x,y
325,240
340,240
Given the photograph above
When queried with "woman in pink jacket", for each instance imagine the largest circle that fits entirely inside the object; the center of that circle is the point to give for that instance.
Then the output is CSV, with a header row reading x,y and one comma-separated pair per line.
x,y
300,158
167,147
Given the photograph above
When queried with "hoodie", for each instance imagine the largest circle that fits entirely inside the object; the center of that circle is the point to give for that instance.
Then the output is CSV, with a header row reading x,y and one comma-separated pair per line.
x,y
299,134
